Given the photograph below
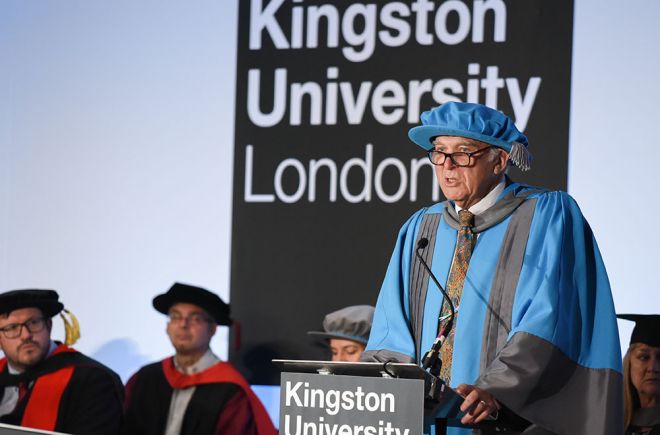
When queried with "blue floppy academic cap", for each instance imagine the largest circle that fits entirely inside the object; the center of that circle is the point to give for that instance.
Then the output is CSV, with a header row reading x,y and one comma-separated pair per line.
x,y
474,121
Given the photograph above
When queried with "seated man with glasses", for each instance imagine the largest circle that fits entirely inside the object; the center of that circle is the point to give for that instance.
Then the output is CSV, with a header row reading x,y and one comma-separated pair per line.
x,y
46,384
192,392
517,314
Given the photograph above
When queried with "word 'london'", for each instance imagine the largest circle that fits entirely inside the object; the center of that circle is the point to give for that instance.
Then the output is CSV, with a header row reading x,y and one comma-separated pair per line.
x,y
306,179
359,23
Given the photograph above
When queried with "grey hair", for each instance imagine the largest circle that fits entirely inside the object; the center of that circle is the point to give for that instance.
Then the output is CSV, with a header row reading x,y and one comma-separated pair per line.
x,y
494,154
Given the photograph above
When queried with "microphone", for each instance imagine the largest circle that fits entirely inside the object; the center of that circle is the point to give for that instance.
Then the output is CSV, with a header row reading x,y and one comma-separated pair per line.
x,y
432,357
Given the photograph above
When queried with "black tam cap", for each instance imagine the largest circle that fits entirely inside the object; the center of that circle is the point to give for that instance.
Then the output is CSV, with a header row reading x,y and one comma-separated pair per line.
x,y
46,300
184,293
647,328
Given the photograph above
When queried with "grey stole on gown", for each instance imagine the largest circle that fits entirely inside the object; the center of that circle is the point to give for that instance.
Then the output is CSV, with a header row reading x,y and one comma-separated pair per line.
x,y
508,267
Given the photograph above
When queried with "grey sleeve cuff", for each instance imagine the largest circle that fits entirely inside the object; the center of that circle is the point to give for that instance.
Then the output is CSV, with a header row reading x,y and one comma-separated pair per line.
x,y
538,382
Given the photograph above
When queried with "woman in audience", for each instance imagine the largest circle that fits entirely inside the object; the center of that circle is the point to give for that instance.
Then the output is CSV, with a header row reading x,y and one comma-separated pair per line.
x,y
641,371
347,331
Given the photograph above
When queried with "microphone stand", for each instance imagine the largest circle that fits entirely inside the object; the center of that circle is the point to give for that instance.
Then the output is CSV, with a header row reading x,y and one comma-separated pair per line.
x,y
431,359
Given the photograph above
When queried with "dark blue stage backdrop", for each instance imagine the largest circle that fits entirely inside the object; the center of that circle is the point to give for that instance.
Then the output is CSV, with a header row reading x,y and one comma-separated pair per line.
x,y
324,173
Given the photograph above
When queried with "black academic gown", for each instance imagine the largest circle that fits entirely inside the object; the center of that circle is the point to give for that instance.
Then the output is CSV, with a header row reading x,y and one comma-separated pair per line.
x,y
222,402
87,395
645,418
634,431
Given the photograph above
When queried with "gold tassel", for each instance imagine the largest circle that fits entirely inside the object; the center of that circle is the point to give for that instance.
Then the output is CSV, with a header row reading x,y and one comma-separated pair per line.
x,y
71,328
67,329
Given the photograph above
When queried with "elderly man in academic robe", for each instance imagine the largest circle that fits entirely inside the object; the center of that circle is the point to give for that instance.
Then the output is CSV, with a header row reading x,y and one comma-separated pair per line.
x,y
192,392
47,384
530,340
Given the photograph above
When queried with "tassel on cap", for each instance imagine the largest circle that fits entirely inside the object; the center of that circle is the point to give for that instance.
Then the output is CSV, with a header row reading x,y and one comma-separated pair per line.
x,y
71,328
520,156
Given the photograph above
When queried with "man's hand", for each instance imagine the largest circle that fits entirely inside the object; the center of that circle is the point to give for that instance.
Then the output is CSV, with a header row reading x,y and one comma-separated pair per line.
x,y
478,404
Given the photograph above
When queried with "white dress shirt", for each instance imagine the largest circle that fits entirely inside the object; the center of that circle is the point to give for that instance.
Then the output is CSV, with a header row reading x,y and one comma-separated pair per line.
x,y
181,397
487,201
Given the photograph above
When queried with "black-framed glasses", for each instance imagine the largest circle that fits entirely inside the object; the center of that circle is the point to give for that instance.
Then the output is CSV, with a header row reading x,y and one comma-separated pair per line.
x,y
32,325
193,319
459,159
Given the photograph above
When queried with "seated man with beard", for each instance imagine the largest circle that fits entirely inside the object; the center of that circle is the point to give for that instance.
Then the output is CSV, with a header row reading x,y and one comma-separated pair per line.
x,y
47,384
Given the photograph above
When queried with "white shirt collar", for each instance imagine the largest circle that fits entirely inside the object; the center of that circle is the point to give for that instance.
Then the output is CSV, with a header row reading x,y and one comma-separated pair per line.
x,y
487,201
206,361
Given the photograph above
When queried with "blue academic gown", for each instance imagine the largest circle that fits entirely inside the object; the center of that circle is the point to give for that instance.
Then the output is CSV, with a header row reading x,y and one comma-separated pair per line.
x,y
536,325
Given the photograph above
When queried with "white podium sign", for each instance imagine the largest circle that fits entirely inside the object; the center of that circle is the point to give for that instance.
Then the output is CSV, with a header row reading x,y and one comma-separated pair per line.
x,y
313,404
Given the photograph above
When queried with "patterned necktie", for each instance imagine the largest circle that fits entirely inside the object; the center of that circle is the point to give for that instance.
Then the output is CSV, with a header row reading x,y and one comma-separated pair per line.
x,y
464,246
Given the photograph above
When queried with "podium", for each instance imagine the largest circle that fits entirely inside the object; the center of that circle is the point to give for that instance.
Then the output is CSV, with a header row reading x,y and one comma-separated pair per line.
x,y
326,397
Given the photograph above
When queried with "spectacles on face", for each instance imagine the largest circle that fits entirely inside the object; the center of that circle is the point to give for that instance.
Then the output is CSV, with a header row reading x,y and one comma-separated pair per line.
x,y
460,158
32,325
193,319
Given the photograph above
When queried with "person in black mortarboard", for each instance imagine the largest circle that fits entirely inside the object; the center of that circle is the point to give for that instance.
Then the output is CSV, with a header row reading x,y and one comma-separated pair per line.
x,y
641,371
192,392
347,331
46,384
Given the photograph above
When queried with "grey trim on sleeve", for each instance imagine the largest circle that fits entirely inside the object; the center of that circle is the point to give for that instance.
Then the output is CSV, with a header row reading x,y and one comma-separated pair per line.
x,y
419,278
497,323
531,376
537,381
